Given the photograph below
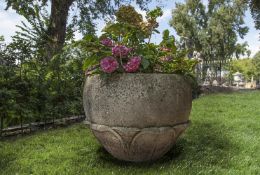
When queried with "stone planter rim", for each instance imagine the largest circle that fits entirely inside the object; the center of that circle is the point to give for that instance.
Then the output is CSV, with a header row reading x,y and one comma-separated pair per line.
x,y
140,73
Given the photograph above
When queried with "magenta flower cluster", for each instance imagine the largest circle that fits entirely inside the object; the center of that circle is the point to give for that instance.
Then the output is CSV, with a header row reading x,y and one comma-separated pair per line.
x,y
107,42
133,64
121,51
109,64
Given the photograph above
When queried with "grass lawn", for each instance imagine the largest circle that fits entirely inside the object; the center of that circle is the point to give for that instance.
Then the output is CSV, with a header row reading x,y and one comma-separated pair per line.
x,y
224,138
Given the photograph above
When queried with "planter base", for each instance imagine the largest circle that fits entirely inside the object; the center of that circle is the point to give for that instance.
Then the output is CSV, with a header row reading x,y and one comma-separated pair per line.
x,y
138,145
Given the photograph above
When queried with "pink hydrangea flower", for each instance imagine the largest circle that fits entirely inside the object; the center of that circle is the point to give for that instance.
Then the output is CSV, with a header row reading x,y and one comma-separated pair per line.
x,y
107,42
120,51
133,64
109,64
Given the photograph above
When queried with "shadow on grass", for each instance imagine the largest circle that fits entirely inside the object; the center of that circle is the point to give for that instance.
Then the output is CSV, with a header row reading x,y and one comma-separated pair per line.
x,y
6,159
203,144
106,157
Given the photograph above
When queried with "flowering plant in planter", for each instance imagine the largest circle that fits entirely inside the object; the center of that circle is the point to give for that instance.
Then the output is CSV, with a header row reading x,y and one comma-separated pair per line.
x,y
136,117
125,46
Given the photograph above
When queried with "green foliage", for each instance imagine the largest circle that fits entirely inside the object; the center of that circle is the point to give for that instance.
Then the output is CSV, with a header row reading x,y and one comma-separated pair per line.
x,y
248,67
168,41
245,66
32,89
132,31
256,63
129,27
128,15
1,38
154,14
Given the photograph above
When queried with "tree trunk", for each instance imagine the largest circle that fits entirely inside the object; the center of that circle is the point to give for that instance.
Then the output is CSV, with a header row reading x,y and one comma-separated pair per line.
x,y
57,27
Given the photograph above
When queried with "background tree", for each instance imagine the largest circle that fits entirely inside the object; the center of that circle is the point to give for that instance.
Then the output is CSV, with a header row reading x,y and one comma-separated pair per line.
x,y
7,78
244,66
31,90
256,62
255,11
249,67
212,31
54,27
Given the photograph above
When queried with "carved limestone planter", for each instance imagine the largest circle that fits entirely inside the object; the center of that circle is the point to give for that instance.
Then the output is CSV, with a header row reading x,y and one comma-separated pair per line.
x,y
137,117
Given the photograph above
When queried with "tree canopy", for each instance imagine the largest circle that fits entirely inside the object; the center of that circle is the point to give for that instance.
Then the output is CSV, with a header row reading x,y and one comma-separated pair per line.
x,y
54,27
255,11
211,30
249,67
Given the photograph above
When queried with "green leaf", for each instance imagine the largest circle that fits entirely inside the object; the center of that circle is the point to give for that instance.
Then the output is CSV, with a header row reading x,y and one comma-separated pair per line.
x,y
166,34
145,63
90,62
89,38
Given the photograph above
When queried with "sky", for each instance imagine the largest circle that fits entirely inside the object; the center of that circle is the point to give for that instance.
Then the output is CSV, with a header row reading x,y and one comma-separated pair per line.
x,y
9,19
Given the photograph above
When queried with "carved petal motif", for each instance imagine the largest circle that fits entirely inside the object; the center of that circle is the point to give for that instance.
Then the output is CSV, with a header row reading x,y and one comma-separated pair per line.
x,y
133,144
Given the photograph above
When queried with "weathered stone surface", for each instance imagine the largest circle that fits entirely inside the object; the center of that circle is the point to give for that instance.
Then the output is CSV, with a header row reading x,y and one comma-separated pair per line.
x,y
137,117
